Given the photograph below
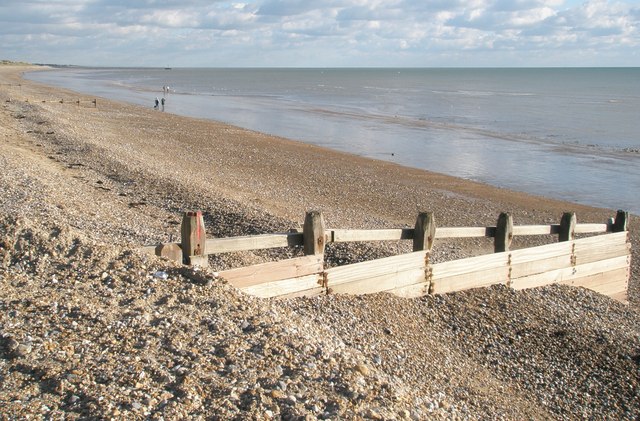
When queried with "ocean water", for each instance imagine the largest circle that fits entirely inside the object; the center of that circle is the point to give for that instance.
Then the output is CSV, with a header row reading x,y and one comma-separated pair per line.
x,y
571,134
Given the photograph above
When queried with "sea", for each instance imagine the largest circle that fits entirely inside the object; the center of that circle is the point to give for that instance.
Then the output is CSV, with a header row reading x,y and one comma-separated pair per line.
x,y
566,133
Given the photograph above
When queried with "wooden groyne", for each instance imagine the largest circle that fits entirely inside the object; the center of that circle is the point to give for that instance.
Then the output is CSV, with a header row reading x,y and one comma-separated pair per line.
x,y
599,260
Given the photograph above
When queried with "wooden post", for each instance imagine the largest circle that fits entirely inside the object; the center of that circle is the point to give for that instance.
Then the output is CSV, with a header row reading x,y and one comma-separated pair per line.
x,y
621,223
567,227
425,231
194,239
504,233
313,233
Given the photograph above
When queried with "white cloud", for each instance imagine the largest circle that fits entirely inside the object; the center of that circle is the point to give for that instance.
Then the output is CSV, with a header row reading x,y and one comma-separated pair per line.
x,y
322,32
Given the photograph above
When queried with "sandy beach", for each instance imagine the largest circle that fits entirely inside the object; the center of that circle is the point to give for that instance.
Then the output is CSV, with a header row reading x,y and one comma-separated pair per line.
x,y
88,331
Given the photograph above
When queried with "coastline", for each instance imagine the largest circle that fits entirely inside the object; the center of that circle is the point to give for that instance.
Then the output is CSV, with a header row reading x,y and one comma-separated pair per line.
x,y
537,152
284,178
87,185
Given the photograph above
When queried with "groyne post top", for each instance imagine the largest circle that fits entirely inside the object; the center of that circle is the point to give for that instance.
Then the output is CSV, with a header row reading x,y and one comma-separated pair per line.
x,y
424,232
567,227
313,233
193,237
504,233
621,223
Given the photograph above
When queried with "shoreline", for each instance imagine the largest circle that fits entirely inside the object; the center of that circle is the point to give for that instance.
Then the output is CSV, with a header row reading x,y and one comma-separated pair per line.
x,y
88,329
540,166
285,178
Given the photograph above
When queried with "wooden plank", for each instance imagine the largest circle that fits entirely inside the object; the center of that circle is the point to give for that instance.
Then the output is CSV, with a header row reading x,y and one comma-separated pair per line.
x,y
343,236
465,232
524,269
314,292
600,280
592,254
285,286
379,283
533,260
567,274
601,247
536,229
375,268
604,239
411,291
532,254
611,288
340,235
470,265
476,279
253,242
273,271
621,296
549,257
591,228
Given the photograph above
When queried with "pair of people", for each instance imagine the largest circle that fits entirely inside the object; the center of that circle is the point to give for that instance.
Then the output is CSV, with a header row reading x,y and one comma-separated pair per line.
x,y
158,102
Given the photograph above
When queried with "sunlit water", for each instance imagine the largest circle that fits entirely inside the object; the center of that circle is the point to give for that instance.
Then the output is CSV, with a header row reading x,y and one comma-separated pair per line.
x,y
570,134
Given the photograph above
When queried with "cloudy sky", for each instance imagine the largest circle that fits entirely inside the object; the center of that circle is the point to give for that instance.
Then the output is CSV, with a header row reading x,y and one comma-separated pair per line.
x,y
322,33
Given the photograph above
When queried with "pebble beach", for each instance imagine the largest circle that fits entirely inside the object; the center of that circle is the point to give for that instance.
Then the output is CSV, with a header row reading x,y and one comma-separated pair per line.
x,y
92,328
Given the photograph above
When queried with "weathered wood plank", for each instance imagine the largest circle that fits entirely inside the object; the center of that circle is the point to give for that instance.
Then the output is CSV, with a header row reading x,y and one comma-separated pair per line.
x,y
600,280
375,268
536,229
314,292
552,256
371,284
465,232
311,283
592,254
470,265
532,254
253,242
529,261
411,291
621,297
591,228
567,274
534,267
343,236
499,274
273,271
603,241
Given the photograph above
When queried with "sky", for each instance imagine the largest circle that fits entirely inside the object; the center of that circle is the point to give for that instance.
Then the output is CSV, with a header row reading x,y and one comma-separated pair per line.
x,y
322,33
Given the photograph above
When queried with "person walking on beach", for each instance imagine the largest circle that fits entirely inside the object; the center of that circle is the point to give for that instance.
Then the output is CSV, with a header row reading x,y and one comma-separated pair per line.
x,y
162,102
157,103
